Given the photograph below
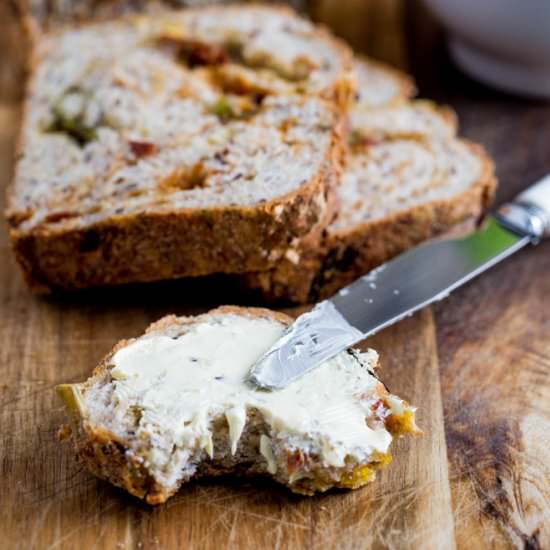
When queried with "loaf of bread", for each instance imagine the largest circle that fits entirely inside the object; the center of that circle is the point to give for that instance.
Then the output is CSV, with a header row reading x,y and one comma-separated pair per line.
x,y
201,141
175,404
178,144
408,178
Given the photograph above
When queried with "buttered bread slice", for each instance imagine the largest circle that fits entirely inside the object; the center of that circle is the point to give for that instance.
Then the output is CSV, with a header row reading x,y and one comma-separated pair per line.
x,y
176,144
174,405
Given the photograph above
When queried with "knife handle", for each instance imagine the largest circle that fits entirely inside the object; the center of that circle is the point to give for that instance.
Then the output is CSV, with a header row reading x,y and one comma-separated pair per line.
x,y
529,213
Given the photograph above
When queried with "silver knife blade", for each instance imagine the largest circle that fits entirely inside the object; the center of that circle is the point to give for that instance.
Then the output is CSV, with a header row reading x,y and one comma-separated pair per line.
x,y
397,289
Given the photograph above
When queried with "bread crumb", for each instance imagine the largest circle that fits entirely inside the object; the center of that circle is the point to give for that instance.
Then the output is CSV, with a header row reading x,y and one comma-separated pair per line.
x,y
292,256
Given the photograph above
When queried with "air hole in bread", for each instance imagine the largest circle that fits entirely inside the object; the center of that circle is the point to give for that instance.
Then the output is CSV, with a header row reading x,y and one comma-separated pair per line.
x,y
193,53
205,54
56,217
336,261
90,241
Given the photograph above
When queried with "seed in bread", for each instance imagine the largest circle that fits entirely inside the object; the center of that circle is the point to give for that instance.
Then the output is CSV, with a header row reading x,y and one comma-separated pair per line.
x,y
174,405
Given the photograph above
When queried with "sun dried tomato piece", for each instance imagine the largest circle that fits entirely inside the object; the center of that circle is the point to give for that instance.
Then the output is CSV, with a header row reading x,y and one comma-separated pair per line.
x,y
142,148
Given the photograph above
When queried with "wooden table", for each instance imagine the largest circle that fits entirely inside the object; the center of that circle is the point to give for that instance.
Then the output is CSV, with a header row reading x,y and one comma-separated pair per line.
x,y
477,366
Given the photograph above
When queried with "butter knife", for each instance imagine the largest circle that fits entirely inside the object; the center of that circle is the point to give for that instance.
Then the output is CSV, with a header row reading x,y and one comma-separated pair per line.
x,y
398,288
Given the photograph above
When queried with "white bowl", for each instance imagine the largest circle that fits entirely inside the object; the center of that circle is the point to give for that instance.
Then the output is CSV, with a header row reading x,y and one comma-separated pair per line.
x,y
503,43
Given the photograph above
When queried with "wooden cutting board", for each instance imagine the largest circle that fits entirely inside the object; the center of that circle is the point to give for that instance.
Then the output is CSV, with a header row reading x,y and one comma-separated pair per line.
x,y
477,367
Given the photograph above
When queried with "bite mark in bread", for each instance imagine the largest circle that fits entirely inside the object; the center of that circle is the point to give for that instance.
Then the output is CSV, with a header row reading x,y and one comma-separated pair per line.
x,y
174,404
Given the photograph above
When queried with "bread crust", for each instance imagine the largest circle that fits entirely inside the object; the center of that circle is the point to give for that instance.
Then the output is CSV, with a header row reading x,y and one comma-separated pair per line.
x,y
349,253
106,456
187,242
183,243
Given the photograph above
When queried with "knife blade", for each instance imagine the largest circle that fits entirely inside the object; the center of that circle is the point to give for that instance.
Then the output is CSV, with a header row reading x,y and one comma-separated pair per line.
x,y
400,287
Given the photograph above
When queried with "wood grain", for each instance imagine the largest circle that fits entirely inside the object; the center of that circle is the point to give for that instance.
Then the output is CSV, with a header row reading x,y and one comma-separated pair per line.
x,y
496,379
493,334
477,367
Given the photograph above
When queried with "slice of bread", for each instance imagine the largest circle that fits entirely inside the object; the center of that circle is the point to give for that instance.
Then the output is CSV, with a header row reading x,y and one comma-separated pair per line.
x,y
174,405
40,15
394,195
382,106
380,86
408,179
268,48
178,144
412,119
